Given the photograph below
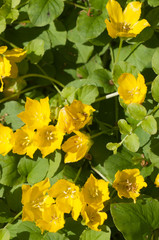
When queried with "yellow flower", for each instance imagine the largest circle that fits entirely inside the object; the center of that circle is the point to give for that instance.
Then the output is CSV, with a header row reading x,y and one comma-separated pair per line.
x,y
93,218
52,219
35,200
48,139
6,139
8,59
95,192
157,180
128,183
75,116
36,114
132,90
76,147
124,23
24,141
67,196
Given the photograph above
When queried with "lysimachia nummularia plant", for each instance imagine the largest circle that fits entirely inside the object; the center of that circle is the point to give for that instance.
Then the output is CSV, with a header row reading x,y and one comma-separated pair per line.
x,y
79,119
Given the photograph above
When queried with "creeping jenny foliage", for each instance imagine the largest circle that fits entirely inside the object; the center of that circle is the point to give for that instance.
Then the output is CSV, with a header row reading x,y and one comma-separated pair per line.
x,y
70,56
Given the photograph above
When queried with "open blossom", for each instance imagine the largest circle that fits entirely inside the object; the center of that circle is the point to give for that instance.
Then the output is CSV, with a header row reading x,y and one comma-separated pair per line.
x,y
6,139
76,147
157,180
124,23
67,196
130,89
35,200
52,219
128,183
36,114
92,217
24,141
8,59
95,192
48,139
75,116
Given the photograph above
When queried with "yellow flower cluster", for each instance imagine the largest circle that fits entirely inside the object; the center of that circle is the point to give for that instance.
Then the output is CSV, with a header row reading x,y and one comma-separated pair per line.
x,y
38,134
46,206
8,60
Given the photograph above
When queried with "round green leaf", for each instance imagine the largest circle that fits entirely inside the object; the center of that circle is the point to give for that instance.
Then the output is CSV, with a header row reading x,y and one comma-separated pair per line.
x,y
43,12
132,142
155,89
136,221
95,235
149,125
2,24
87,94
124,127
136,111
113,147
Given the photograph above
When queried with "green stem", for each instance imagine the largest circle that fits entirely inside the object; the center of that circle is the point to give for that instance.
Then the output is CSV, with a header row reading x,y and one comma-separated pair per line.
x,y
9,43
99,173
45,77
78,174
76,5
119,49
97,134
23,91
111,53
111,95
17,216
40,68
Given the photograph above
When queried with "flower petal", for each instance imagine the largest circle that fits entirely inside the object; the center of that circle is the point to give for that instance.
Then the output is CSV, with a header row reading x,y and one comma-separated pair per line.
x,y
132,12
111,28
139,26
115,11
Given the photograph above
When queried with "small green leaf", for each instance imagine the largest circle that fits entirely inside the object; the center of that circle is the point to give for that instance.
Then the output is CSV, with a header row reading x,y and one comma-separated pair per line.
x,y
35,50
25,166
155,89
2,24
136,221
87,94
153,3
39,172
155,61
95,235
43,12
85,51
136,111
124,127
4,234
149,125
132,143
113,147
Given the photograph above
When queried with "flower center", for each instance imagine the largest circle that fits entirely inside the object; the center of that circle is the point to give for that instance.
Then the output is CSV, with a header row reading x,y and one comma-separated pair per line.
x,y
131,187
25,142
69,192
123,27
49,136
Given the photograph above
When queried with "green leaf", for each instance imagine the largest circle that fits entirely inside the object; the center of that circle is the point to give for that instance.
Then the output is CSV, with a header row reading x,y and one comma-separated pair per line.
x,y
132,143
43,12
113,147
136,221
155,89
35,50
123,67
10,112
54,236
155,61
87,94
124,127
39,171
54,164
5,214
136,111
25,166
85,51
95,235
2,24
4,234
91,26
10,175
149,125
153,3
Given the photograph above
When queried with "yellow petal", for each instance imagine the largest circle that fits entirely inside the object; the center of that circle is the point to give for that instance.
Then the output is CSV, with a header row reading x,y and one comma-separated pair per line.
x,y
16,54
111,28
139,26
132,12
1,88
3,49
114,11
